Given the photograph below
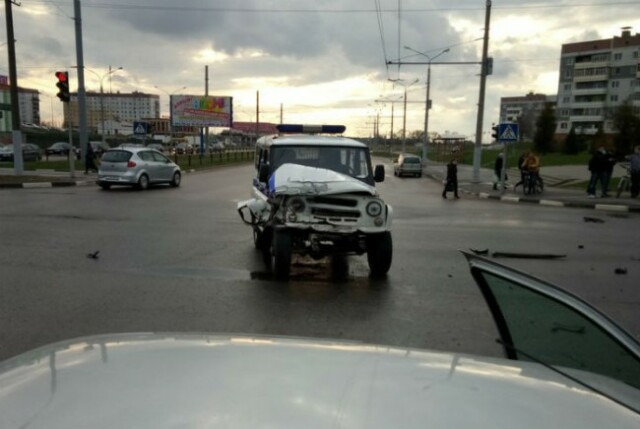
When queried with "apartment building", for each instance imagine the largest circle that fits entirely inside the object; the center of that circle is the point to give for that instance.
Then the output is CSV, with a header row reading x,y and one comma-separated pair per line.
x,y
29,100
524,110
113,107
596,77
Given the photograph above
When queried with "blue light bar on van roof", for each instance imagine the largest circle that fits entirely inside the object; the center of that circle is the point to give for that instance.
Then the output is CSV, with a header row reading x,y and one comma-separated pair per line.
x,y
311,129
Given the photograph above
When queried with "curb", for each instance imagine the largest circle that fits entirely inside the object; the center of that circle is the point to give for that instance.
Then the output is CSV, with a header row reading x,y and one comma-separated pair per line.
x,y
547,202
37,185
554,203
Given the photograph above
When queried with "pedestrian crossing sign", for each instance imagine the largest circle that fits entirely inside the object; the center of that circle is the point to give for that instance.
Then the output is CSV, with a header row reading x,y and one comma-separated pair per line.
x,y
140,128
508,132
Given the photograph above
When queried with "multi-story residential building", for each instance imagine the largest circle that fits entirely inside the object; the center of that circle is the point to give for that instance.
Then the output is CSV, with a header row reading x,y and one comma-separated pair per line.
x,y
596,77
118,107
524,110
29,100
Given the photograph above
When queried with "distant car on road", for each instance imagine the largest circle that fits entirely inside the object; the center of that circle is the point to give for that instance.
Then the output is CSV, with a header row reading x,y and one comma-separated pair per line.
x,y
139,167
407,164
99,148
30,152
60,148
216,147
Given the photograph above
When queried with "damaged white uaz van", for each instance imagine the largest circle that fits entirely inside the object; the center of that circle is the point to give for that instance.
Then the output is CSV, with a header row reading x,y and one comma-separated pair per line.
x,y
315,195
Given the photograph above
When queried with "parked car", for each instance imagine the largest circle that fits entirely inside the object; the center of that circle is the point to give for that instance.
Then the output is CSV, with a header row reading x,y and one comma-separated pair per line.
x,y
216,147
183,148
140,167
567,366
61,148
156,146
407,164
30,152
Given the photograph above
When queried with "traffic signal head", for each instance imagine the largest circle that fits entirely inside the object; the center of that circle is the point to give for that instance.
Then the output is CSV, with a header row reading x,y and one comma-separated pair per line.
x,y
63,86
494,132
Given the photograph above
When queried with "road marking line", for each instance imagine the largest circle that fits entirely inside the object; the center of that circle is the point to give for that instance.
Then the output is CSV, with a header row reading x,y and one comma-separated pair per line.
x,y
510,199
612,207
37,185
551,203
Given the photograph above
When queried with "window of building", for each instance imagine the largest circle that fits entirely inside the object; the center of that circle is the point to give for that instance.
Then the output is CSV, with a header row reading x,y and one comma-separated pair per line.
x,y
617,57
566,100
567,86
615,84
570,61
563,125
614,97
567,74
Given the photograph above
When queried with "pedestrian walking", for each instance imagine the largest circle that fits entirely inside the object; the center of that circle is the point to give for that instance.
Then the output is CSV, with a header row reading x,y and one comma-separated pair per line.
x,y
523,156
597,166
90,160
607,172
451,183
497,169
635,171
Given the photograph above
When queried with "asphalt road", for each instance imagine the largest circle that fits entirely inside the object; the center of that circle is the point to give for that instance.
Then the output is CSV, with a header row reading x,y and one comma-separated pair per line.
x,y
181,260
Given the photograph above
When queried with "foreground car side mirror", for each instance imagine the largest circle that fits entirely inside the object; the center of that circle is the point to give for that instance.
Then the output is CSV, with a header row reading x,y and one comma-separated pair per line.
x,y
263,174
378,174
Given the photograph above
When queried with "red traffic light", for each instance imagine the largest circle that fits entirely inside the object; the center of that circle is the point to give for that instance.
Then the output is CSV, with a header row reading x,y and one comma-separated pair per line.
x,y
62,76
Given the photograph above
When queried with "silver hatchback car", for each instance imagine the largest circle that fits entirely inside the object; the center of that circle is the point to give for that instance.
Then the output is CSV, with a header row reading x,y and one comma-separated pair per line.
x,y
140,167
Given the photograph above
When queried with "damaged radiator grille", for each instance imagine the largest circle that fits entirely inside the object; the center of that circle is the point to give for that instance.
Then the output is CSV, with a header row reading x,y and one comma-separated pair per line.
x,y
336,215
333,201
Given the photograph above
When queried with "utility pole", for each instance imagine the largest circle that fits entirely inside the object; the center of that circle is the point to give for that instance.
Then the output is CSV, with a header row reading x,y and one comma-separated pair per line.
x,y
82,101
281,113
477,151
16,134
257,113
206,94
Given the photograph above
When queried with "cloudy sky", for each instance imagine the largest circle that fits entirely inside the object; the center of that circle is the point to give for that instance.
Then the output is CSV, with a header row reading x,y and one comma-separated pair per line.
x,y
324,61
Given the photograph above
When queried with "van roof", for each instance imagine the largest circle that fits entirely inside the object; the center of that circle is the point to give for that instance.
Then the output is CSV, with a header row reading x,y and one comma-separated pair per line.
x,y
308,140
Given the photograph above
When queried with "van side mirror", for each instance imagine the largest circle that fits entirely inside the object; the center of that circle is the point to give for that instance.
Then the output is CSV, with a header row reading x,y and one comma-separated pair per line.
x,y
263,173
378,174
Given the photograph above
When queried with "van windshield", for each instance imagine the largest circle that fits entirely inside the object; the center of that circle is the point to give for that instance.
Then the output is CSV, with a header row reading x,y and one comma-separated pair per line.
x,y
352,161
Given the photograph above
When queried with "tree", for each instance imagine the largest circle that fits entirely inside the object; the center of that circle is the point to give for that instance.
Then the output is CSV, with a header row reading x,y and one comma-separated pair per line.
x,y
627,124
572,143
526,124
545,129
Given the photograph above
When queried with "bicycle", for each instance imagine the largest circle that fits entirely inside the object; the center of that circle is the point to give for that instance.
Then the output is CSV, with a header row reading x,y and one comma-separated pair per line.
x,y
532,184
625,181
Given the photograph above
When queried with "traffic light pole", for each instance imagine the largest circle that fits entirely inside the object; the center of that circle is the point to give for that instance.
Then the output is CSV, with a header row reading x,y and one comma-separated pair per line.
x,y
72,153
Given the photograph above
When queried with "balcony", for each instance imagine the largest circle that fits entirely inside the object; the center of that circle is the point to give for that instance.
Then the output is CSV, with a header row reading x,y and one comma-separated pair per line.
x,y
590,118
588,104
591,78
589,91
590,64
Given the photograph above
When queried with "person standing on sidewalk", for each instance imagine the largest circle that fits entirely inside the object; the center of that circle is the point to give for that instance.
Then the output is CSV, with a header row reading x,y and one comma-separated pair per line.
x,y
90,160
497,169
607,172
635,171
597,168
451,183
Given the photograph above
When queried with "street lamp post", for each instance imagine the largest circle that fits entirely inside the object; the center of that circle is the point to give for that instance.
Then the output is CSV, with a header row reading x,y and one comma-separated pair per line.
x,y
101,78
428,101
169,94
404,115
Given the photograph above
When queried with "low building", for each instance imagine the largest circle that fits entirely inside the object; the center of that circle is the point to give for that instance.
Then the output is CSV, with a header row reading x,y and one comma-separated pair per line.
x,y
525,111
29,100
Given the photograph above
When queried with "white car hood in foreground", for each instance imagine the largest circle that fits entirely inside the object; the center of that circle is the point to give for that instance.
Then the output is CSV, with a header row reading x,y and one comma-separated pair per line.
x,y
198,381
294,179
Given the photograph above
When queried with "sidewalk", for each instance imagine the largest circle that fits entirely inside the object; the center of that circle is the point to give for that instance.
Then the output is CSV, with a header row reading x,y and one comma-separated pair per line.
x,y
552,195
44,179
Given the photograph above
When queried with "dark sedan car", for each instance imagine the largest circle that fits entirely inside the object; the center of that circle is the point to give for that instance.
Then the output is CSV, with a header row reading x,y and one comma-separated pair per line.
x,y
60,148
30,152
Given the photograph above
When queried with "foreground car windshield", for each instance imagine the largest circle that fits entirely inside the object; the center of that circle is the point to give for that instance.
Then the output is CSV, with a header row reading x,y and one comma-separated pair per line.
x,y
345,160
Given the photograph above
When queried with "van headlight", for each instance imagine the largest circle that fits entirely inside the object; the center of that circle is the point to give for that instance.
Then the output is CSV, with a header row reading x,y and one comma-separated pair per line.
x,y
296,204
374,208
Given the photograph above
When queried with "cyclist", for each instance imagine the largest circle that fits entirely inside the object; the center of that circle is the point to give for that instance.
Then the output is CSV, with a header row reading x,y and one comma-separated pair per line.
x,y
531,165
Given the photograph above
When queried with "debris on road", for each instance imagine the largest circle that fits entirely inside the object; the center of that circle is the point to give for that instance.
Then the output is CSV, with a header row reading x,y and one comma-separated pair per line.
x,y
93,255
527,255
480,252
580,246
621,270
593,219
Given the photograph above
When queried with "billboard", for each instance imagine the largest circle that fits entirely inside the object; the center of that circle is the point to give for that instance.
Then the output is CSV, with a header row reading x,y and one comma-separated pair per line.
x,y
201,111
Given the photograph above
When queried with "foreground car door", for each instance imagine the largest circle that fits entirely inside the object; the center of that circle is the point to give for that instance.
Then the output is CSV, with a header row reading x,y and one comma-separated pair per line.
x,y
541,322
164,165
